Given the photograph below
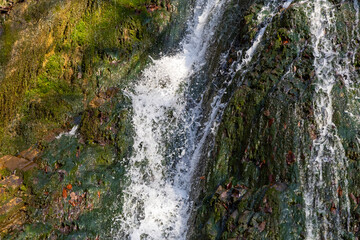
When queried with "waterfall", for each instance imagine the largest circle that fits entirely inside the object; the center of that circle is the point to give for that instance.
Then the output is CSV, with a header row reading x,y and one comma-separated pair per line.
x,y
171,129
156,202
325,178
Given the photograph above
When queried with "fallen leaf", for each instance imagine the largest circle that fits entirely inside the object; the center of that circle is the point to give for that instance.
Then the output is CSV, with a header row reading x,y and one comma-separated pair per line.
x,y
73,196
333,208
290,158
271,121
69,186
202,177
224,205
64,193
262,163
98,194
229,185
262,226
340,191
353,198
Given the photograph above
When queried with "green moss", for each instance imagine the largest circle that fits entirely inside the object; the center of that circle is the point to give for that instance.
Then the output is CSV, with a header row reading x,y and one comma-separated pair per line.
x,y
7,39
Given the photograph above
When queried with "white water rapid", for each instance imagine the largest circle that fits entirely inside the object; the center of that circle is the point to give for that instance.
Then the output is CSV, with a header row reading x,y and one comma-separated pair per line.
x,y
156,201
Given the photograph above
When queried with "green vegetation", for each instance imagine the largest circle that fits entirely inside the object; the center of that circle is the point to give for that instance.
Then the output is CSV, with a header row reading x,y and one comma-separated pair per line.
x,y
53,65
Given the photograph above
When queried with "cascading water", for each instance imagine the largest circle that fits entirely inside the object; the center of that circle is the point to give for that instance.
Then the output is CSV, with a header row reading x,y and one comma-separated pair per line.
x,y
156,201
171,129
327,205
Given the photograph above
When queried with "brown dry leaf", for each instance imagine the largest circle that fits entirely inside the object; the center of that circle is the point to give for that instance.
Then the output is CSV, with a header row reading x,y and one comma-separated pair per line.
x,y
340,191
353,198
64,193
333,208
271,121
262,226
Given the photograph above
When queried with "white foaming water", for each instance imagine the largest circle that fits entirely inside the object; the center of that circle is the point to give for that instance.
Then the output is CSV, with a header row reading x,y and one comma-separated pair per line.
x,y
72,132
326,171
156,202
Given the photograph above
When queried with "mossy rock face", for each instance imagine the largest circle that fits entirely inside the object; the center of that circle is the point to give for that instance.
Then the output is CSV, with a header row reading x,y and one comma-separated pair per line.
x,y
65,63
57,55
267,129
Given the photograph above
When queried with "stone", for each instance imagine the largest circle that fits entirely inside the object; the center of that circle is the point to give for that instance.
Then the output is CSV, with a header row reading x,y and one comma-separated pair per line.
x,y
30,154
11,205
14,219
12,181
12,163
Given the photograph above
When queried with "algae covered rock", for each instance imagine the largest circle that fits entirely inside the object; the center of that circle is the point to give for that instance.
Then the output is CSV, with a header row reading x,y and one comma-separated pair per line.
x,y
263,140
63,64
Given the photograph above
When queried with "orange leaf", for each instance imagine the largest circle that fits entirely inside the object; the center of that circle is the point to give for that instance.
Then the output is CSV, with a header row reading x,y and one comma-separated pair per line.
x,y
69,186
99,194
340,191
64,193
333,208
202,177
